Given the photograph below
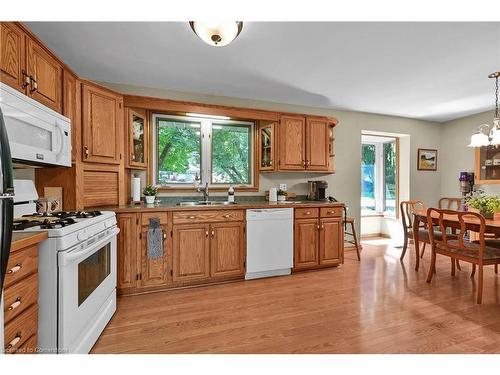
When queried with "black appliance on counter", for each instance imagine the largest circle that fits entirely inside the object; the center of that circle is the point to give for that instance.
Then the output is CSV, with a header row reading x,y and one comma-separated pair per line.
x,y
317,190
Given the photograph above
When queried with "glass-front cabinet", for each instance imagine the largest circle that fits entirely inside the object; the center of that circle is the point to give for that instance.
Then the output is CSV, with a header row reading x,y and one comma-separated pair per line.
x,y
267,149
137,139
488,165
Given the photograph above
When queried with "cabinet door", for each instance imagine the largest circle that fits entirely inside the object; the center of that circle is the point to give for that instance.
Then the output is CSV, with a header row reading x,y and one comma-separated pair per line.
x,y
154,272
267,149
102,116
70,109
227,249
317,144
306,242
46,76
191,252
127,250
12,56
137,139
331,241
292,143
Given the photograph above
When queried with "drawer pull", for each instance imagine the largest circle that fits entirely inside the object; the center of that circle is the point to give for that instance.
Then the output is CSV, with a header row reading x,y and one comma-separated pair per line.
x,y
14,342
227,216
15,305
191,217
14,269
307,213
330,212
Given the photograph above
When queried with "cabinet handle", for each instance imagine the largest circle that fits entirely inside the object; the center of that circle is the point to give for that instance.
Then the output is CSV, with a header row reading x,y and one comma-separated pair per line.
x,y
303,163
14,342
191,217
271,162
133,157
14,269
15,305
227,216
26,82
322,226
308,163
86,151
34,85
213,233
330,212
317,226
164,236
307,213
206,233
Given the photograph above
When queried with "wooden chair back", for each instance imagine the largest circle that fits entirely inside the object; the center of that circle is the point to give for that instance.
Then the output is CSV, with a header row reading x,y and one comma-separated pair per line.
x,y
407,209
445,220
450,203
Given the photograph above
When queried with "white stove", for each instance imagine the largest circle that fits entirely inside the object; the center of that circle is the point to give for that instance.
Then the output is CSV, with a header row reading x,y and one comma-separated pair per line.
x,y
77,277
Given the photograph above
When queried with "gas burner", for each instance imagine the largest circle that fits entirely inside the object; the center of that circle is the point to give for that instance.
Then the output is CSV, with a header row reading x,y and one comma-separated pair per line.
x,y
86,214
64,214
43,224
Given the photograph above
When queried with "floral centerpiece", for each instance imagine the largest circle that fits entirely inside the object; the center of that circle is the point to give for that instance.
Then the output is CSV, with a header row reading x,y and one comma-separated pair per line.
x,y
487,206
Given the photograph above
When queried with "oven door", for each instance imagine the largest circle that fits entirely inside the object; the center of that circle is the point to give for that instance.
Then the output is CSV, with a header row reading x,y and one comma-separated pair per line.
x,y
87,280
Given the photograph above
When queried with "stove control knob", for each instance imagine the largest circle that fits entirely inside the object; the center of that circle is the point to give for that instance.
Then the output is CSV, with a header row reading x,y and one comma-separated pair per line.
x,y
82,236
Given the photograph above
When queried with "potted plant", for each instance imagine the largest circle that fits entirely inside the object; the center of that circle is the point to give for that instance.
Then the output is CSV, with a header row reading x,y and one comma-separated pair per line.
x,y
281,195
150,193
488,206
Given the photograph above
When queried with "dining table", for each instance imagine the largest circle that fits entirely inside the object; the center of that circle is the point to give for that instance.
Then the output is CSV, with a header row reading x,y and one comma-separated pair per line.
x,y
471,223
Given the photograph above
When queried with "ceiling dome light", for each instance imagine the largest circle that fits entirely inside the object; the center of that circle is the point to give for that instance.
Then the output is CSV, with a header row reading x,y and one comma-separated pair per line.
x,y
217,34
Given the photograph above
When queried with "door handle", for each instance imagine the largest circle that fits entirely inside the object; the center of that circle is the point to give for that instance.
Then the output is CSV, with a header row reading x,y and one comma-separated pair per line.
x,y
213,233
86,151
206,233
34,85
26,79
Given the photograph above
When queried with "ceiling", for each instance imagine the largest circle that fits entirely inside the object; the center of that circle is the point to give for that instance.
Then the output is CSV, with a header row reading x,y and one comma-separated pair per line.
x,y
432,71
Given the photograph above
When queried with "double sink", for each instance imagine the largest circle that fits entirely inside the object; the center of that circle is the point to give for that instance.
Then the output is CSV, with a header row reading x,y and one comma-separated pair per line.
x,y
206,203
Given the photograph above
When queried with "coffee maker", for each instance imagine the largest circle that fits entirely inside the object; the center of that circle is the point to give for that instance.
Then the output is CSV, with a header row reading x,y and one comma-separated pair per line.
x,y
317,190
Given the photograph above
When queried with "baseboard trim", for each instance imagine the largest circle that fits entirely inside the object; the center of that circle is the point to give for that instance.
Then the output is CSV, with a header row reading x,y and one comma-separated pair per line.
x,y
374,235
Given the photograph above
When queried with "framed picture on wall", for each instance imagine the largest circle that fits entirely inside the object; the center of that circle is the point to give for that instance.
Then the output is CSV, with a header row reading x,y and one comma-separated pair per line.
x,y
427,159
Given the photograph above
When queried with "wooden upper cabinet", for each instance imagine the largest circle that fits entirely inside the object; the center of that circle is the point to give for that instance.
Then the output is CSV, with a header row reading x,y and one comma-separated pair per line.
x,y
267,146
317,144
191,252
46,76
137,138
331,241
102,113
127,250
12,56
292,134
71,105
227,249
306,241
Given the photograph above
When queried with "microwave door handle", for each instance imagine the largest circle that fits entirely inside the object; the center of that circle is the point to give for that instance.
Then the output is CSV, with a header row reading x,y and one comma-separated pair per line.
x,y
61,138
76,255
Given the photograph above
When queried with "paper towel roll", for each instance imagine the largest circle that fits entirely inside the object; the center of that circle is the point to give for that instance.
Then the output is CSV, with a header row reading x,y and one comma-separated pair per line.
x,y
273,195
136,189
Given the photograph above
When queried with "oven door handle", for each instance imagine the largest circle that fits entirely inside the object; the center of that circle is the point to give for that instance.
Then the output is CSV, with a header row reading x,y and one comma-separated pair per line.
x,y
70,257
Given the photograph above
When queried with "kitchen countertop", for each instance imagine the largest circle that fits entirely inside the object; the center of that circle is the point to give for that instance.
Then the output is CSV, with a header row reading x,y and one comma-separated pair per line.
x,y
22,240
171,206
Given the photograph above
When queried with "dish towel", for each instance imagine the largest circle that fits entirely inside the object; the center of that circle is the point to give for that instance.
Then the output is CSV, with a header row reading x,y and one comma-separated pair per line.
x,y
155,239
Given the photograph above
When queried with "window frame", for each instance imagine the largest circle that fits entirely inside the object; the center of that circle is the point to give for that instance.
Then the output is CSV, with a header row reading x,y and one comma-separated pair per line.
x,y
379,174
206,152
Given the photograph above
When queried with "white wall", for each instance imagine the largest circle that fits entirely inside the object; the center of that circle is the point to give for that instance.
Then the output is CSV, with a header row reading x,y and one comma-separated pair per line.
x,y
345,183
455,156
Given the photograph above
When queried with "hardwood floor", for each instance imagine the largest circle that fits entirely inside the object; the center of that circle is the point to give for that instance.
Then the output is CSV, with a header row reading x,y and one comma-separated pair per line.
x,y
378,305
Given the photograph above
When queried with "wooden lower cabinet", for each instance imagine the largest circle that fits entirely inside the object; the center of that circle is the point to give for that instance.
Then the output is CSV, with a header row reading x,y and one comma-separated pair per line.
x,y
127,250
154,272
331,241
191,252
306,237
319,242
227,249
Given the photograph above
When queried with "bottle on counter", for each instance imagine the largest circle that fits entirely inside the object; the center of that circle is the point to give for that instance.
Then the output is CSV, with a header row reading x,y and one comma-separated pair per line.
x,y
230,194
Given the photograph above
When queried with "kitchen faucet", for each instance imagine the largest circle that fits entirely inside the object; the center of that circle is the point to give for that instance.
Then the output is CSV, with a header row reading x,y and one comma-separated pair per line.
x,y
205,192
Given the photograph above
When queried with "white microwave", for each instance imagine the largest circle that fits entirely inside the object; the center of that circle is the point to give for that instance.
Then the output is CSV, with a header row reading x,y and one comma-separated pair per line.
x,y
37,134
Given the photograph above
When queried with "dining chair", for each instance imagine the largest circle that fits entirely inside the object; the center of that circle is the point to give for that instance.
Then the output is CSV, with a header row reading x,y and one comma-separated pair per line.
x,y
407,209
450,203
457,246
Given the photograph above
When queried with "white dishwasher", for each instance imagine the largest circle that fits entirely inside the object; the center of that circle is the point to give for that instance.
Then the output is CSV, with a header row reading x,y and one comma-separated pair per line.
x,y
269,242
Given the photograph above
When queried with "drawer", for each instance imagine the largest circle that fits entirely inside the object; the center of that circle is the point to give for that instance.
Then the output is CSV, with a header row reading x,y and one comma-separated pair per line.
x,y
20,329
306,213
29,346
22,263
19,296
332,211
163,216
189,217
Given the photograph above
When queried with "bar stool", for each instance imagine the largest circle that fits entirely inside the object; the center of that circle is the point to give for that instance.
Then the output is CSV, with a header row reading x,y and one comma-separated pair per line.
x,y
352,233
